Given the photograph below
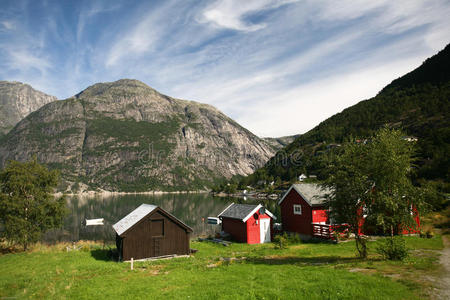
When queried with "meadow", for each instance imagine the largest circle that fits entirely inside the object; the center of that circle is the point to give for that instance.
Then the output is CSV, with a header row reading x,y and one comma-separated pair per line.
x,y
239,271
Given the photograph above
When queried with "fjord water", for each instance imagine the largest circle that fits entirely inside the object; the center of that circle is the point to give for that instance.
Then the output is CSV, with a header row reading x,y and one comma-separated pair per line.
x,y
192,209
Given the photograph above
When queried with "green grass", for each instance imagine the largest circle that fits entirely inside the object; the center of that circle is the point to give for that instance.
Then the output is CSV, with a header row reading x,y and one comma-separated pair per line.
x,y
302,271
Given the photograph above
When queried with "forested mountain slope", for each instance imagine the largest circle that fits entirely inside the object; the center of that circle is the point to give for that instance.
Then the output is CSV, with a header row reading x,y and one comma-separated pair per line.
x,y
418,103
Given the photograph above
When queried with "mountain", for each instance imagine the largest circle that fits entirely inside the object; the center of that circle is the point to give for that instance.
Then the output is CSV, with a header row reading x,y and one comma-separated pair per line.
x,y
125,136
280,142
417,103
17,100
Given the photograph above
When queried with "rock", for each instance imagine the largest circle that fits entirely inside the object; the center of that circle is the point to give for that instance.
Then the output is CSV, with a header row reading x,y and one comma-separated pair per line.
x,y
17,100
125,136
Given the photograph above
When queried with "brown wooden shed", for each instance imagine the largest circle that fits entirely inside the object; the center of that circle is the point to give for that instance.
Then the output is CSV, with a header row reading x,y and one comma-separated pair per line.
x,y
149,231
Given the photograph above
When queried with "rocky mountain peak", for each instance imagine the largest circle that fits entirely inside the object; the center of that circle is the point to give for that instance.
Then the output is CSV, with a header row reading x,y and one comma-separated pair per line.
x,y
17,100
119,88
126,136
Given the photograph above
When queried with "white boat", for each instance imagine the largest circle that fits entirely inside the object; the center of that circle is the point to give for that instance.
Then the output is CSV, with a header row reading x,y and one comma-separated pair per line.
x,y
214,220
94,222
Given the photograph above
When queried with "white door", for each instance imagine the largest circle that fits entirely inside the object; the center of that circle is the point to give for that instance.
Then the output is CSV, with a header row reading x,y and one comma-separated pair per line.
x,y
264,230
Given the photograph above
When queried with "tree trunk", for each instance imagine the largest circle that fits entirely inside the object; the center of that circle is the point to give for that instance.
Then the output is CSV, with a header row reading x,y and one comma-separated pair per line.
x,y
361,246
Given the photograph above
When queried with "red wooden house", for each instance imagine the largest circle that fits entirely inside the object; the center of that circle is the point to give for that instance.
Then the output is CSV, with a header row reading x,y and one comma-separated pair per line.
x,y
303,211
247,223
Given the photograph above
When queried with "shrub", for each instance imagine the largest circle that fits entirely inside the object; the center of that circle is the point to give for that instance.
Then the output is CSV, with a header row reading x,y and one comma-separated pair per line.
x,y
280,242
393,248
293,238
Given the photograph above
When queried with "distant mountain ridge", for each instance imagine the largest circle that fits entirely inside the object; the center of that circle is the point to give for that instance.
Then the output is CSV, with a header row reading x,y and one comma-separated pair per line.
x,y
418,103
126,136
17,100
278,143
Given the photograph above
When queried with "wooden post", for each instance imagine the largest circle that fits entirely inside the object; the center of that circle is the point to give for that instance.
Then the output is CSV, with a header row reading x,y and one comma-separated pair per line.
x,y
131,263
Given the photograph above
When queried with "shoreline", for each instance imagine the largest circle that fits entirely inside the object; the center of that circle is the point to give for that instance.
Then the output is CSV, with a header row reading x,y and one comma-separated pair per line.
x,y
109,193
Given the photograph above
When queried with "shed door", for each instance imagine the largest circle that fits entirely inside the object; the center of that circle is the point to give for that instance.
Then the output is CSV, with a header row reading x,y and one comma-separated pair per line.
x,y
264,230
157,233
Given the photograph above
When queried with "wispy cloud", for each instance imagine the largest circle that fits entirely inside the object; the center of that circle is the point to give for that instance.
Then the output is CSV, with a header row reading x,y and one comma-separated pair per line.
x,y
7,25
278,67
231,13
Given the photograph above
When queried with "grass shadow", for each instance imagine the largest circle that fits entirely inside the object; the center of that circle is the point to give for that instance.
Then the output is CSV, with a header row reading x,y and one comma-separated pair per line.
x,y
311,261
105,254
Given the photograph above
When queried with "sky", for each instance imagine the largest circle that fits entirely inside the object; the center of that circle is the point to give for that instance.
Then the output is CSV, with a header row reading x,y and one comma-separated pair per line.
x,y
277,67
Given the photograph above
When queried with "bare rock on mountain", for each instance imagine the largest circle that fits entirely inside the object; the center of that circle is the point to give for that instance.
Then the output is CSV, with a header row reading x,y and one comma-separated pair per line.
x,y
126,136
17,100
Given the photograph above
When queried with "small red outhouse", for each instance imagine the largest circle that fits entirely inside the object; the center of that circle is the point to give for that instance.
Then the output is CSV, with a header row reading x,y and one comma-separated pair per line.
x,y
247,223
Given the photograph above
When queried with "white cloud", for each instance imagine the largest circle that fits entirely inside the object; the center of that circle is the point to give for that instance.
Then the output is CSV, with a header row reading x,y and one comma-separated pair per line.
x,y
8,25
142,36
279,69
25,60
230,13
88,13
302,108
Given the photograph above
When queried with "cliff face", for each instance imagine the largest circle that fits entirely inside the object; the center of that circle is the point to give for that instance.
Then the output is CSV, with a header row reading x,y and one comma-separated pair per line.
x,y
17,100
126,136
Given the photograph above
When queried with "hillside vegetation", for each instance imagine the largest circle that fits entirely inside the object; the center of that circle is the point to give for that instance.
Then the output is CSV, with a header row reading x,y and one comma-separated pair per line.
x,y
417,103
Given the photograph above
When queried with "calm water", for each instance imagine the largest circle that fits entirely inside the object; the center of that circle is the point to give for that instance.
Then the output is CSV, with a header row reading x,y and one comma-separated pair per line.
x,y
192,209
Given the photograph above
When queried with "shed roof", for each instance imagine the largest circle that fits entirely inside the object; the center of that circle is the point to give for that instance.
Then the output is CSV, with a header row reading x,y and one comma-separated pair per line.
x,y
133,217
313,193
242,211
138,214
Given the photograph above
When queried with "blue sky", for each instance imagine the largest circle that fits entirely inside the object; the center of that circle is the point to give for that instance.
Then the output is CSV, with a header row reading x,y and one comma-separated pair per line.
x,y
277,67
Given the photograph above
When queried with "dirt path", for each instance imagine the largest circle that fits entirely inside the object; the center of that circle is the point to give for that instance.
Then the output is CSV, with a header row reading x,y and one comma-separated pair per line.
x,y
444,292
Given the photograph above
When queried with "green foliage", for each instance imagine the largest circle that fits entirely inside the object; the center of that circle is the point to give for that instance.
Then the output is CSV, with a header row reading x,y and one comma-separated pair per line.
x,y
388,167
27,205
418,103
280,242
230,188
374,179
393,248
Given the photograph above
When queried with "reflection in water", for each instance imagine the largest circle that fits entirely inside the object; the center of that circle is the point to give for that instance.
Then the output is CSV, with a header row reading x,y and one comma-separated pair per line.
x,y
192,209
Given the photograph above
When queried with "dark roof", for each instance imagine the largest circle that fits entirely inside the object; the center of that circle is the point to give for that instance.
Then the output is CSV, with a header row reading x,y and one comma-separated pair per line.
x,y
242,211
313,193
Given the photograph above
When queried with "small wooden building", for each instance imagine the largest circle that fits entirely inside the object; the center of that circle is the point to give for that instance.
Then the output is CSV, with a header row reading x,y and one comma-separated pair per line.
x,y
303,210
149,231
247,223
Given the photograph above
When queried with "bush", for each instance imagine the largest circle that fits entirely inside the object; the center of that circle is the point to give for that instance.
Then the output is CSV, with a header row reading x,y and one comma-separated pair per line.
x,y
280,242
393,248
293,238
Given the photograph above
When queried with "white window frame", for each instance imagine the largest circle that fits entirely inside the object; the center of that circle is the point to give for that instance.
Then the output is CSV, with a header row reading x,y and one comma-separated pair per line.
x,y
296,206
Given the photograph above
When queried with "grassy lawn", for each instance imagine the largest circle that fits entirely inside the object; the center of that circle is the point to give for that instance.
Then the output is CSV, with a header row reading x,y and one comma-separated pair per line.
x,y
240,271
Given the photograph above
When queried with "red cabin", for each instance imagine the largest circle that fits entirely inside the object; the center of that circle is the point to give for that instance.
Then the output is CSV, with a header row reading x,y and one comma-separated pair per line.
x,y
247,223
303,211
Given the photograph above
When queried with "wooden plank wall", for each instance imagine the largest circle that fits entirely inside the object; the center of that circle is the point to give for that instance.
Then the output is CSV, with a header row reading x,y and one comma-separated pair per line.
x,y
155,235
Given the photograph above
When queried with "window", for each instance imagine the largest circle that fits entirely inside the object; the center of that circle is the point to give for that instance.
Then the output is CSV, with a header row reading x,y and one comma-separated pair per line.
x,y
157,227
297,209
